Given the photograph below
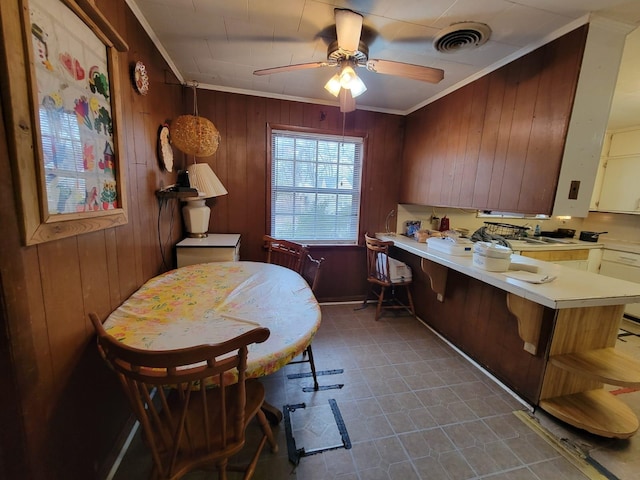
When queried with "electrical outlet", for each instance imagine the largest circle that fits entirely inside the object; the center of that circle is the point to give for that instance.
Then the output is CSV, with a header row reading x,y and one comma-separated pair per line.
x,y
574,189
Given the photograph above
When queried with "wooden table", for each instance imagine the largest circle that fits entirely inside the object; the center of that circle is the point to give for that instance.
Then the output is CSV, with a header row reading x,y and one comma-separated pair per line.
x,y
212,302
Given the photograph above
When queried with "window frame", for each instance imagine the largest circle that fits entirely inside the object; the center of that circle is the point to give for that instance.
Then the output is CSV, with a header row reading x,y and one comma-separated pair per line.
x,y
325,133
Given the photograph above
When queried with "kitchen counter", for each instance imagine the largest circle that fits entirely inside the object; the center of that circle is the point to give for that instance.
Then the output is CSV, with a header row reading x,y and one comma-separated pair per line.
x,y
554,244
621,245
570,289
553,343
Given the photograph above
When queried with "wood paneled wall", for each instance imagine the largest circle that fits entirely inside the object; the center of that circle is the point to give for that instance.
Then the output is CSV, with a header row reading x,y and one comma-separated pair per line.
x,y
241,165
70,407
62,410
497,143
475,318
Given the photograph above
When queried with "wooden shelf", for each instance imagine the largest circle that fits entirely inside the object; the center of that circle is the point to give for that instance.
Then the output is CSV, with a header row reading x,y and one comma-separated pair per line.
x,y
596,411
175,194
603,364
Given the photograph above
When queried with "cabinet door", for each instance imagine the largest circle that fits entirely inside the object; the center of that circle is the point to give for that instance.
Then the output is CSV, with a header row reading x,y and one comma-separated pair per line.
x,y
577,264
578,259
620,191
625,143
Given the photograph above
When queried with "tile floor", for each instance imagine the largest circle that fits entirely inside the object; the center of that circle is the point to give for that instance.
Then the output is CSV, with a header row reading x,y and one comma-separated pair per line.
x,y
413,408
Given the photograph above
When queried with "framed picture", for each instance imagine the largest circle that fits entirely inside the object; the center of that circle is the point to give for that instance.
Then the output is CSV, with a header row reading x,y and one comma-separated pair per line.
x,y
63,117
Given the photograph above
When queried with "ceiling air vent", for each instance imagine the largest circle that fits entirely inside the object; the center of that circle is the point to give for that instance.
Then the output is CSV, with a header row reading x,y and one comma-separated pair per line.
x,y
461,36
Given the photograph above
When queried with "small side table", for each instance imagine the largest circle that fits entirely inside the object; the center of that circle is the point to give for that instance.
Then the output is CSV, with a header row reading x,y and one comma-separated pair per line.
x,y
217,247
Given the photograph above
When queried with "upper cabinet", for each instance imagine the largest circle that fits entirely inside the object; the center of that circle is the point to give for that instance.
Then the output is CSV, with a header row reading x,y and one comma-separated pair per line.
x,y
515,140
619,190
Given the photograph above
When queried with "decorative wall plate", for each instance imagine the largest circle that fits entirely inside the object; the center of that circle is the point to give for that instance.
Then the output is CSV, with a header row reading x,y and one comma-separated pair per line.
x,y
140,78
165,152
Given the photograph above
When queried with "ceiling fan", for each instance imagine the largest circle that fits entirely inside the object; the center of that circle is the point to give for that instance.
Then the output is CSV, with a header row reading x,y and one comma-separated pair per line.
x,y
349,52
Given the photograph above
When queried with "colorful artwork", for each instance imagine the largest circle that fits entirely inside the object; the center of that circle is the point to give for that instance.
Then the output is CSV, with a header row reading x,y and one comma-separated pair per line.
x,y
75,116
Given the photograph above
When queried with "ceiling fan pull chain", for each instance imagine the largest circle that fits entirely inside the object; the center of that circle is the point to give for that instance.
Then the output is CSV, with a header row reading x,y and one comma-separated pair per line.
x,y
344,120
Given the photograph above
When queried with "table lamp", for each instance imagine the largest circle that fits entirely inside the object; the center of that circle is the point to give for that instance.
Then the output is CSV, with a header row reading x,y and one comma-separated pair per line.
x,y
195,210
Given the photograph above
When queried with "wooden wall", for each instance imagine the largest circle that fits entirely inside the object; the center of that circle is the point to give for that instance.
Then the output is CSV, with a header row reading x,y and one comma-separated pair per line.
x,y
240,163
475,318
69,409
497,143
61,409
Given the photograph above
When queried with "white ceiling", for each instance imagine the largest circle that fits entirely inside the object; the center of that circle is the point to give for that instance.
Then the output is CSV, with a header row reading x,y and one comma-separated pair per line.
x,y
219,43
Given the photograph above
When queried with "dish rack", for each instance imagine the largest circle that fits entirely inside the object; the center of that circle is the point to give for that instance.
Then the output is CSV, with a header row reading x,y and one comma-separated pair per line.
x,y
505,230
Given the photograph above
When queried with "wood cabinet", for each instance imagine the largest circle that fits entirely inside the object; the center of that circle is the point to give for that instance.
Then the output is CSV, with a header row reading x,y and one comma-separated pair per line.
x,y
582,358
578,259
524,138
497,143
620,170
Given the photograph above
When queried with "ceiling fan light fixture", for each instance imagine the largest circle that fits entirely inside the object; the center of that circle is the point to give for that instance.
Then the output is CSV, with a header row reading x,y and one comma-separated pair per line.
x,y
349,80
333,86
347,75
357,87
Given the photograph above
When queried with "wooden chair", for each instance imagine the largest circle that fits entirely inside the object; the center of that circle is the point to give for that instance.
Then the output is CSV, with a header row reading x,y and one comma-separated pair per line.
x,y
296,257
285,253
378,275
185,426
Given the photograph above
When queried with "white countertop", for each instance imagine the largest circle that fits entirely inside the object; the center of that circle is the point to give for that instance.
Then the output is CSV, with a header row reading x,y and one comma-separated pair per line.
x,y
212,240
622,245
571,288
554,244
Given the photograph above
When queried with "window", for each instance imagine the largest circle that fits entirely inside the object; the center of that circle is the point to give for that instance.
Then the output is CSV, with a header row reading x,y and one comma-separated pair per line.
x,y
315,187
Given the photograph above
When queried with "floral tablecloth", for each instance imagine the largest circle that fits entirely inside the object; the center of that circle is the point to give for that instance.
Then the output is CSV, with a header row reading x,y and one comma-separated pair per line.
x,y
212,302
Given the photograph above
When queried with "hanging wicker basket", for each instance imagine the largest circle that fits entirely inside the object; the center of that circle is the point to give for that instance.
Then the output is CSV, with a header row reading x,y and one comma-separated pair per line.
x,y
195,135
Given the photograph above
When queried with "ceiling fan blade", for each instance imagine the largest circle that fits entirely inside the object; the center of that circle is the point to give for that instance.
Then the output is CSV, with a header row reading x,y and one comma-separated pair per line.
x,y
290,68
348,29
347,102
408,70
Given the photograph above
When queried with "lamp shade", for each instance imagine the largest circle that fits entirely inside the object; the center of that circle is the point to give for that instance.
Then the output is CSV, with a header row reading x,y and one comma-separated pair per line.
x,y
333,85
195,211
195,135
205,181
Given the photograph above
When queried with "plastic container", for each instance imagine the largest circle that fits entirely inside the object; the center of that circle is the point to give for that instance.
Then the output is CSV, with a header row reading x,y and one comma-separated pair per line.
x,y
492,250
491,257
491,264
451,246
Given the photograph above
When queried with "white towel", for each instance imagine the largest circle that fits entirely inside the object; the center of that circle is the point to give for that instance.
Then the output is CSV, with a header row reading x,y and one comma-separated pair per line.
x,y
530,276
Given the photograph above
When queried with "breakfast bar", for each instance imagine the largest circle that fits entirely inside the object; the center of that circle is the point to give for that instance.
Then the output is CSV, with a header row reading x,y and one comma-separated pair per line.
x,y
552,343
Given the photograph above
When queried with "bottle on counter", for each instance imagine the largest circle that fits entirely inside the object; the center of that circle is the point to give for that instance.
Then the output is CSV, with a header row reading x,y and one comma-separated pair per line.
x,y
536,232
444,224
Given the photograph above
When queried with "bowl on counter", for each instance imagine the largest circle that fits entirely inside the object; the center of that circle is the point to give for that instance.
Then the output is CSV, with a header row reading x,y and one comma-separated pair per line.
x,y
491,257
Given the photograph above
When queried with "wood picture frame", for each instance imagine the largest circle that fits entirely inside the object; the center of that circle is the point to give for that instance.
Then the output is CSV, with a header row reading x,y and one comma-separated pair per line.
x,y
62,110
